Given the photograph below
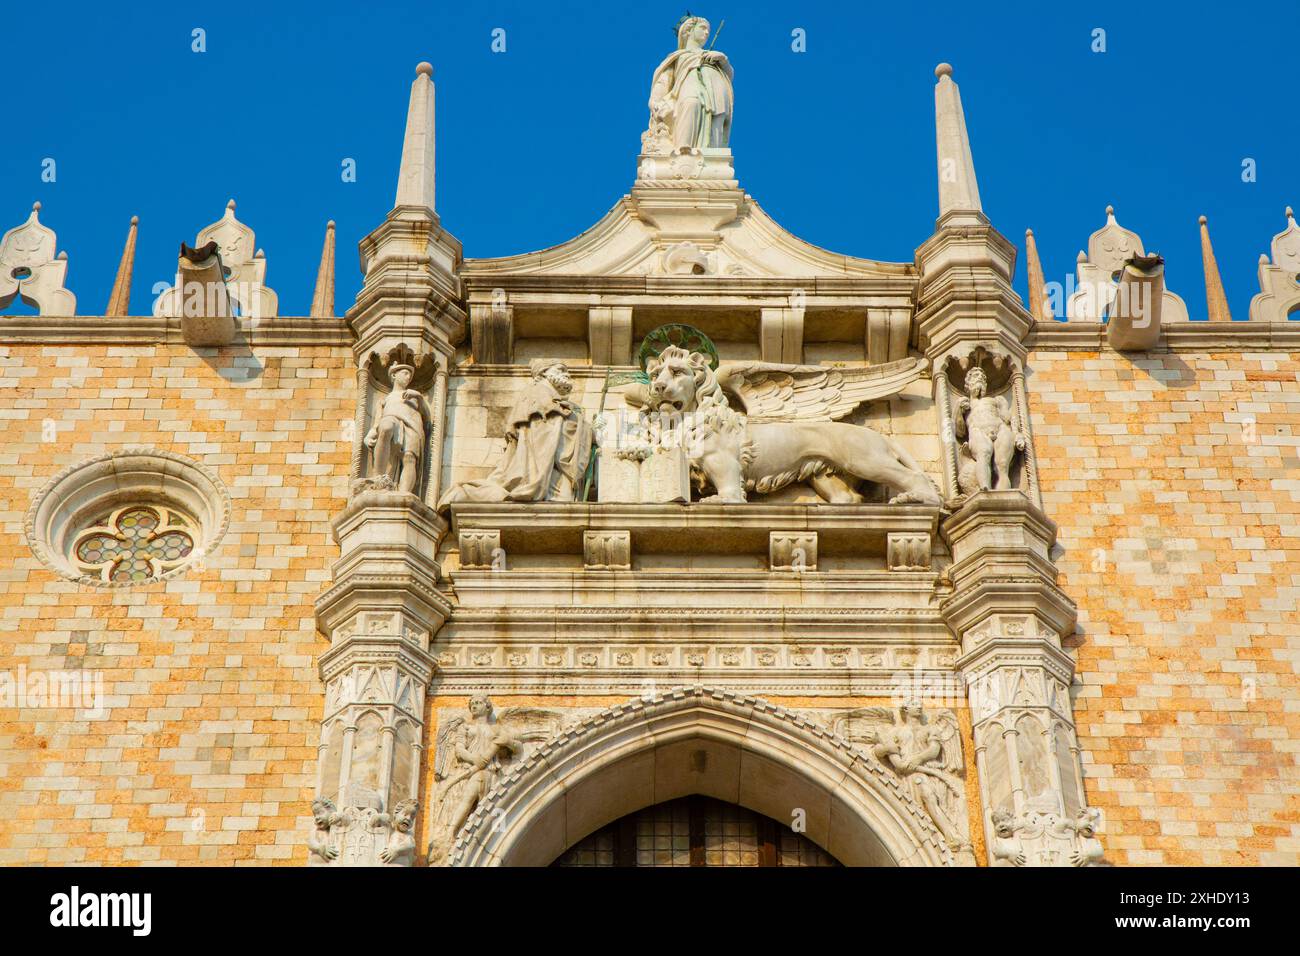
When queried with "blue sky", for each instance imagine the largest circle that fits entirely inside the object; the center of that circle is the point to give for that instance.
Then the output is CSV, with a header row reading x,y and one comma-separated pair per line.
x,y
536,143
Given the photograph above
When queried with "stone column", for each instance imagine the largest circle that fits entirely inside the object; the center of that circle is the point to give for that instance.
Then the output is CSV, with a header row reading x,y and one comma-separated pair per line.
x,y
380,615
1010,616
384,606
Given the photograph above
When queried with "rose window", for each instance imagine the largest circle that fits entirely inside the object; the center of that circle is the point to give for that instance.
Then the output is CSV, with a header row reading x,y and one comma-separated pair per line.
x,y
134,544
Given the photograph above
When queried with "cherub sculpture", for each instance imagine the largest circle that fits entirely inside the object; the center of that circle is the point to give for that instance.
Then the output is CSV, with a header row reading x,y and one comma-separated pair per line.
x,y
400,850
322,847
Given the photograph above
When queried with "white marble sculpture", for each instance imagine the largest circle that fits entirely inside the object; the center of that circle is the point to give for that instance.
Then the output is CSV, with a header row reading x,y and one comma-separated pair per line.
x,y
991,438
548,445
691,95
398,438
471,751
925,751
30,268
1039,837
739,452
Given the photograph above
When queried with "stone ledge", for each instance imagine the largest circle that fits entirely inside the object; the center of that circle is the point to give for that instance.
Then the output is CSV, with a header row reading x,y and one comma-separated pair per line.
x,y
557,528
1181,337
275,331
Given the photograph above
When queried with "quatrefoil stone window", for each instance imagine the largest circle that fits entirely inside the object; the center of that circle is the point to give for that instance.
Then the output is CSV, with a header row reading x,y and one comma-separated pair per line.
x,y
133,516
135,543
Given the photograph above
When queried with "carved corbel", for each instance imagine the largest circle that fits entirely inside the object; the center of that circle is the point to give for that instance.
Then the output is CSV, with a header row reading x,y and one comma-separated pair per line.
x,y
607,550
481,551
792,550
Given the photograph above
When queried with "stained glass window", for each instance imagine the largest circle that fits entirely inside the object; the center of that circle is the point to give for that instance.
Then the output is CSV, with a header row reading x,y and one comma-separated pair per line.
x,y
134,544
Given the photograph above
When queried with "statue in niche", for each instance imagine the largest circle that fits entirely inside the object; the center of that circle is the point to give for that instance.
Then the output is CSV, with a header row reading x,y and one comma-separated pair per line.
x,y
785,430
991,439
548,445
471,752
397,444
691,95
984,423
926,753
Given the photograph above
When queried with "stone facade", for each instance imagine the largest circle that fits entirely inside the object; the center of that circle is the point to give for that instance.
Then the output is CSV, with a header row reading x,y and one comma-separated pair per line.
x,y
683,507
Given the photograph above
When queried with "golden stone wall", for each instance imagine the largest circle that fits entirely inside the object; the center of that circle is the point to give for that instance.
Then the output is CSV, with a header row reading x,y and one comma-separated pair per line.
x,y
206,750
1175,480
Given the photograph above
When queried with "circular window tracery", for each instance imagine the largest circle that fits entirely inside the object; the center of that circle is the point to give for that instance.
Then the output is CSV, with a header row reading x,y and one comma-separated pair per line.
x,y
134,544
126,518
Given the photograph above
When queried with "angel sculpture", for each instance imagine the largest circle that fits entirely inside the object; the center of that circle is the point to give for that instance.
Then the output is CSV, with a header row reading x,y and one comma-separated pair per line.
x,y
470,754
926,754
785,428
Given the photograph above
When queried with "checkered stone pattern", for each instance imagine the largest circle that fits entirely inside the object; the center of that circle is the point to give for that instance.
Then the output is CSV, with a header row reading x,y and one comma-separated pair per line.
x,y
205,749
1175,480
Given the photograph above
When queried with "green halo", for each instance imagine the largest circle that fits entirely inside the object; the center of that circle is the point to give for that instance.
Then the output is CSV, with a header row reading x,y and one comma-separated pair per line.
x,y
683,336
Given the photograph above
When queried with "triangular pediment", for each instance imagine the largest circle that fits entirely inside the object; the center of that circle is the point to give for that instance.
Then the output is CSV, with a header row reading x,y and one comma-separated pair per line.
x,y
720,233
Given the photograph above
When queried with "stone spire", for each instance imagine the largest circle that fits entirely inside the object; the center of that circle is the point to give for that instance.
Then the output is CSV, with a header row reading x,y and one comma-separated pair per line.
x,y
1216,302
322,300
958,192
119,300
415,177
1034,279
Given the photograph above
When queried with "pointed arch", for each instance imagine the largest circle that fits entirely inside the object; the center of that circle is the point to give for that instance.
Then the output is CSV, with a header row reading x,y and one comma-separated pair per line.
x,y
704,740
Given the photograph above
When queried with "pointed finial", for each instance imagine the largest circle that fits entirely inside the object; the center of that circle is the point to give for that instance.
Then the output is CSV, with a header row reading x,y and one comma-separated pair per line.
x,y
415,176
36,207
1034,279
119,300
958,190
322,299
230,204
1290,215
1110,212
1216,301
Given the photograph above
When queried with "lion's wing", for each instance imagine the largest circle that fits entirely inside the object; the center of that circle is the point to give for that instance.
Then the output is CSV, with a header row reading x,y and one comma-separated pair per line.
x,y
766,390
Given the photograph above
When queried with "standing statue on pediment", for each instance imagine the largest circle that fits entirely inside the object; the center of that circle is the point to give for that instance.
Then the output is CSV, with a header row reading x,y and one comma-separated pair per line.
x,y
548,445
691,95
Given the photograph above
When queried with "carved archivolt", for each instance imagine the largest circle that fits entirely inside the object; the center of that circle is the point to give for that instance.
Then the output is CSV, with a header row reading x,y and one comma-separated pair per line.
x,y
656,748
